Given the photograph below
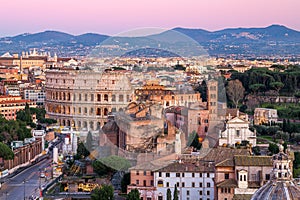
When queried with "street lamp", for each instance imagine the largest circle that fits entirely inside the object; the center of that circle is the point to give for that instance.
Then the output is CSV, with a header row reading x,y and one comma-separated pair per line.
x,y
6,194
24,181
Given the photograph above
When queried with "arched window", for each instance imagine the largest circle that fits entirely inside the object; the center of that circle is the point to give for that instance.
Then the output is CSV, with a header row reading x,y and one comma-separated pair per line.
x,y
98,97
105,111
160,183
105,97
98,111
113,98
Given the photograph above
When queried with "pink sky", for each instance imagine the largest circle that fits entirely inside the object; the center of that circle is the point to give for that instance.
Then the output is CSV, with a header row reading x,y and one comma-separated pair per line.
x,y
114,16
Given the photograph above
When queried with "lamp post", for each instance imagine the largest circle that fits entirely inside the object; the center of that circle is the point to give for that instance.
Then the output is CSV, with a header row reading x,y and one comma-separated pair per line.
x,y
24,181
6,194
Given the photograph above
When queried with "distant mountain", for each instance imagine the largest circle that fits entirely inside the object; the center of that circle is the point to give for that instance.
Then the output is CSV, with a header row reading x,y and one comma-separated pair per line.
x,y
271,40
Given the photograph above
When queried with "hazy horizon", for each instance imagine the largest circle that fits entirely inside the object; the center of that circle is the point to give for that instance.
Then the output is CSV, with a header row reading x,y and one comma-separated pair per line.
x,y
115,16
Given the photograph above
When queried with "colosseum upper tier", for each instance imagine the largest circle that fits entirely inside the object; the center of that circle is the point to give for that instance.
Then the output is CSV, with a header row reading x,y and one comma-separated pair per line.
x,y
84,98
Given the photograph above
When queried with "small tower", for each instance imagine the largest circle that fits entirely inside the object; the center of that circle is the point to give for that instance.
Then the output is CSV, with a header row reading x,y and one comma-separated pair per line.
x,y
282,165
212,99
178,142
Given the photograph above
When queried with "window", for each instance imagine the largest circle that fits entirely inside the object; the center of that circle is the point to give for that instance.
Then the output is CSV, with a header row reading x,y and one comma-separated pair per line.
x,y
208,192
137,173
160,198
137,182
177,174
159,174
105,112
200,184
245,178
168,184
182,174
279,166
207,174
200,175
177,184
226,176
182,184
145,173
105,97
238,133
92,97
187,192
160,183
241,177
85,97
98,97
167,174
193,174
193,184
113,98
200,192
121,98
267,176
208,184
284,166
222,190
151,182
98,111
144,183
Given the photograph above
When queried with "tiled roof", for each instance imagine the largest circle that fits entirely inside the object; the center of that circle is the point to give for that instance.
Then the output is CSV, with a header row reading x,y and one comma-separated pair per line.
x,y
229,183
151,166
241,160
226,163
220,154
188,167
242,197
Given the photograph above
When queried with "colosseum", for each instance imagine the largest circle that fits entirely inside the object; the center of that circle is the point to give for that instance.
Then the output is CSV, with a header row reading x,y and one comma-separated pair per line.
x,y
84,98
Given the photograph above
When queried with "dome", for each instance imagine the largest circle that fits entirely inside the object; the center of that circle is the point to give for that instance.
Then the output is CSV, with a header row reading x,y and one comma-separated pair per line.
x,y
277,190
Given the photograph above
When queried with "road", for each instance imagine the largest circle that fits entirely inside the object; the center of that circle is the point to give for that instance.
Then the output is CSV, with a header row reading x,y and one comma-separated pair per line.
x,y
15,188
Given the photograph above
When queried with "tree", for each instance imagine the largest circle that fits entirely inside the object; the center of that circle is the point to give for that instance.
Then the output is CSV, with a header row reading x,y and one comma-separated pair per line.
x,y
133,195
125,182
5,152
273,148
193,140
89,141
255,88
105,192
277,85
82,151
235,91
175,195
169,194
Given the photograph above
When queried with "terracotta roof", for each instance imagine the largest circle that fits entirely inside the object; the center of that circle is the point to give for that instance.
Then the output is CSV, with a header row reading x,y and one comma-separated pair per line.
x,y
229,183
242,197
188,167
253,160
226,163
220,154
